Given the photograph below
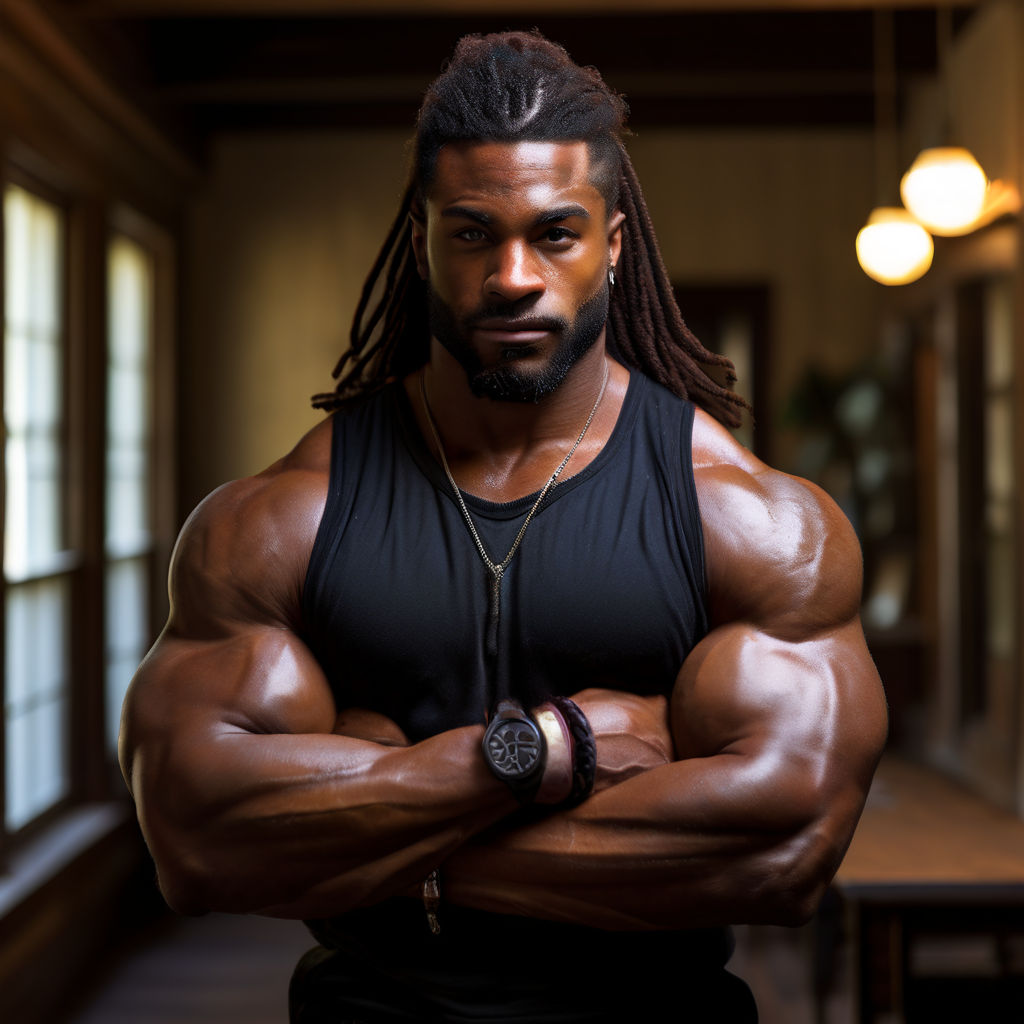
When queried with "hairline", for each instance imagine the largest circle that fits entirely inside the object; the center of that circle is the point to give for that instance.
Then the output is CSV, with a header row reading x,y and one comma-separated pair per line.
x,y
599,151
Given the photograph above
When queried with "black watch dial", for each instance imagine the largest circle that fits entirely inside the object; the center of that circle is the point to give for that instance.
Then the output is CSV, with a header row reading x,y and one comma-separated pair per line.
x,y
514,748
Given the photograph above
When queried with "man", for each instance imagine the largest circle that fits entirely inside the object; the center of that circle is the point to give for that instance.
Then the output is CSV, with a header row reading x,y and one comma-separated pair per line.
x,y
518,678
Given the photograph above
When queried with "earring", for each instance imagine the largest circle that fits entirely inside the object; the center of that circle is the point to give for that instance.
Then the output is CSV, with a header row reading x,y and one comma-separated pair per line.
x,y
611,274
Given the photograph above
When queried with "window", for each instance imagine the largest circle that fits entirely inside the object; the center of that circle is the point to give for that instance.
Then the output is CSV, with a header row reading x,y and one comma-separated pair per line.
x,y
128,533
87,497
88,502
37,562
968,466
1000,496
988,609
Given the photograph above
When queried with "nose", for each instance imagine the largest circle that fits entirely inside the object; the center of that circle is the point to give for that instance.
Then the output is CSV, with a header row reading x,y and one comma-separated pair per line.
x,y
514,272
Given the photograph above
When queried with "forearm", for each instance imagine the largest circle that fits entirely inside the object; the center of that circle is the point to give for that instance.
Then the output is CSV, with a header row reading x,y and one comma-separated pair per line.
x,y
695,843
304,825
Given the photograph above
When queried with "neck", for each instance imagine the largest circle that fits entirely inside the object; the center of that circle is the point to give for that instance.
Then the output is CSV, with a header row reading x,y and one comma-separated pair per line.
x,y
506,450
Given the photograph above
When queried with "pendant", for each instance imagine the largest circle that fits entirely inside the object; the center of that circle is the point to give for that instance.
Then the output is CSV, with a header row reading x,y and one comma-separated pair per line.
x,y
494,610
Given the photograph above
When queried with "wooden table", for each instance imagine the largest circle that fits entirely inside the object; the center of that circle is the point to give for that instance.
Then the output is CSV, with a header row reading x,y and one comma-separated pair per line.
x,y
928,856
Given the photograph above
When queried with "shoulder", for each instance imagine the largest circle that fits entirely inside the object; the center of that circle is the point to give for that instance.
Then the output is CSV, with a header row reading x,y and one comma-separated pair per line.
x,y
242,554
779,551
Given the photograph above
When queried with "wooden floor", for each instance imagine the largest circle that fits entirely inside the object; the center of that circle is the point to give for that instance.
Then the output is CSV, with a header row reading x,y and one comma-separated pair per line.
x,y
217,969
235,970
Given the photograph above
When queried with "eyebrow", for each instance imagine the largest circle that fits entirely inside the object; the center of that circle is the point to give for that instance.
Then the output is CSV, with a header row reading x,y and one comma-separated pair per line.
x,y
562,213
547,217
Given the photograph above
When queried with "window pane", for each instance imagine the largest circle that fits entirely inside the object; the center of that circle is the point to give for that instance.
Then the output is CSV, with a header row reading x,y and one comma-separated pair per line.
x,y
129,407
33,373
36,705
36,709
1000,497
127,633
129,431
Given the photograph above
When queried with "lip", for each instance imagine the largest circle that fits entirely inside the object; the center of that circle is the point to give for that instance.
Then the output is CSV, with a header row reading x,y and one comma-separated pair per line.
x,y
510,332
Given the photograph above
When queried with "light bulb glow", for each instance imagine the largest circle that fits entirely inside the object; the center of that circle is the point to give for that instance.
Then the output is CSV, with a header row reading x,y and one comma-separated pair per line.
x,y
893,248
945,189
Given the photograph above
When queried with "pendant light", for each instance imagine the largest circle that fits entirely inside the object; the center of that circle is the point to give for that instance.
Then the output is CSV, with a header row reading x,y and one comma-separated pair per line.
x,y
892,248
945,187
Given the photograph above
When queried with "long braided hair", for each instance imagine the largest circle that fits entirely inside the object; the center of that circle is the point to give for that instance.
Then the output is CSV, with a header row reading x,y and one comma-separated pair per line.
x,y
518,87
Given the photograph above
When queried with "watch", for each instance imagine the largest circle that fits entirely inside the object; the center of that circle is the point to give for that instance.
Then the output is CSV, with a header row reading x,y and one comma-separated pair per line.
x,y
514,749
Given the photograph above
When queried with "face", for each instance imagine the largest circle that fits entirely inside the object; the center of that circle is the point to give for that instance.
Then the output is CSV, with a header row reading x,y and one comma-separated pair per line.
x,y
515,246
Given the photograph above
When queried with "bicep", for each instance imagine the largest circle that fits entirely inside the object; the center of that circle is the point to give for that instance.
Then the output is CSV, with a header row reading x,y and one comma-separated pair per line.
x,y
795,728
229,662
784,685
191,698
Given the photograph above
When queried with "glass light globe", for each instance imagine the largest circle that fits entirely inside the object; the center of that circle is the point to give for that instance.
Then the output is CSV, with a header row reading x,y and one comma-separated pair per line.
x,y
945,189
892,247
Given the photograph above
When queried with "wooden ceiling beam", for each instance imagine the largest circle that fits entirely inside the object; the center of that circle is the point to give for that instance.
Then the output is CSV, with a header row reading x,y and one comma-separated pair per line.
x,y
426,8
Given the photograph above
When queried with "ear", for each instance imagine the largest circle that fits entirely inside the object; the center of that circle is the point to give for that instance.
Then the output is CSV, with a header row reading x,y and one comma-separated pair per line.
x,y
418,223
615,222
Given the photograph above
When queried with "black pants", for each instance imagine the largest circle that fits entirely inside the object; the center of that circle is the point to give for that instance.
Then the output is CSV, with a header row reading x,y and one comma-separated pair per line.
x,y
384,967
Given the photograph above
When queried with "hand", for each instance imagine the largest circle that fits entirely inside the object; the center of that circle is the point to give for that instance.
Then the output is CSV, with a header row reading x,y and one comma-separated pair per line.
x,y
362,724
632,733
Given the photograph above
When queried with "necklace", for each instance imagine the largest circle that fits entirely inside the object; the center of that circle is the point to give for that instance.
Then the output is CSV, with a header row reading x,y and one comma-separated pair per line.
x,y
497,569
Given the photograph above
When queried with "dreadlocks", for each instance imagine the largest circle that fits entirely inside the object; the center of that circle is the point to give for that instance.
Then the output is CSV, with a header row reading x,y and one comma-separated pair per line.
x,y
519,87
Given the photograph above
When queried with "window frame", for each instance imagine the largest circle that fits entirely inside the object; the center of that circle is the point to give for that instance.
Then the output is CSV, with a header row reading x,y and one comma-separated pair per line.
x,y
68,562
956,732
157,244
89,224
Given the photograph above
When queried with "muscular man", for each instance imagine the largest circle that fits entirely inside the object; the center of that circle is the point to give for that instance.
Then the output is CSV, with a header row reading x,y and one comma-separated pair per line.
x,y
517,678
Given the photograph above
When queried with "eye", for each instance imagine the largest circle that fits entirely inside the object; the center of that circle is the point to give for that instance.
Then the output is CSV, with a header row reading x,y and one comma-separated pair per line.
x,y
559,234
471,235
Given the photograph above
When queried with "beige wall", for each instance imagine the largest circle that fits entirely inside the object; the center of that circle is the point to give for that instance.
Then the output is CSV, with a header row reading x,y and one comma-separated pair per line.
x,y
284,230
279,243
782,208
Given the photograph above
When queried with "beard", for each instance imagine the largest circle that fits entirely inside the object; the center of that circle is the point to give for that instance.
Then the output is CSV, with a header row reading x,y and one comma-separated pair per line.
x,y
507,381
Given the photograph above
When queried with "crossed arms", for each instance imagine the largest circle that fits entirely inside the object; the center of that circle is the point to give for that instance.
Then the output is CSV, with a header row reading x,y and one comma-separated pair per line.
x,y
734,801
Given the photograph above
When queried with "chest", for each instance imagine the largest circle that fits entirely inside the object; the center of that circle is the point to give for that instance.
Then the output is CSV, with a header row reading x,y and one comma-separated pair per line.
x,y
604,589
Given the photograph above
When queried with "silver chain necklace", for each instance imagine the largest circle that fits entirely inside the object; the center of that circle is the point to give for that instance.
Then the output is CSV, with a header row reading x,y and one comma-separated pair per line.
x,y
497,569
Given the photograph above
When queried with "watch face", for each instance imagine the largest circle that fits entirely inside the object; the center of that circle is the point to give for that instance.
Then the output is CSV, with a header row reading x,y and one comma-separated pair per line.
x,y
513,748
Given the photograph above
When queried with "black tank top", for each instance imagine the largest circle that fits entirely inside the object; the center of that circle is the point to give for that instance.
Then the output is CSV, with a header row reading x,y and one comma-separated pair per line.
x,y
606,589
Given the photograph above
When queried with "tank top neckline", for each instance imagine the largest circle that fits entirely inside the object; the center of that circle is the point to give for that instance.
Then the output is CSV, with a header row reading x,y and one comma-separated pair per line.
x,y
431,468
